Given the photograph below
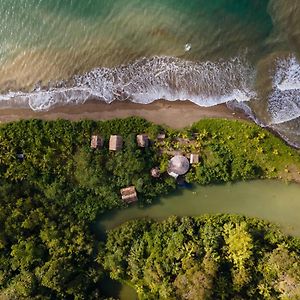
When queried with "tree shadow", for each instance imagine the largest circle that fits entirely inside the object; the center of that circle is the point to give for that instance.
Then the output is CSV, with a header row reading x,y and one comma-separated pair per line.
x,y
112,288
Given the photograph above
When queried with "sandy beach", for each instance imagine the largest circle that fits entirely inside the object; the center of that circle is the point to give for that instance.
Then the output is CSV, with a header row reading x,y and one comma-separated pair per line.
x,y
175,114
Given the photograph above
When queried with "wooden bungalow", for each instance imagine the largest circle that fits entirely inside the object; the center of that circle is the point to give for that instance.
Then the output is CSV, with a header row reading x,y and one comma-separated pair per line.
x,y
142,140
194,158
129,194
155,172
161,136
96,142
115,142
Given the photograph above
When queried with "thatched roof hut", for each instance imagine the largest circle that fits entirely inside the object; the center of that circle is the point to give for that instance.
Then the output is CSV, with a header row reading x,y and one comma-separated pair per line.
x,y
96,142
129,194
161,136
142,140
178,165
115,142
155,172
194,158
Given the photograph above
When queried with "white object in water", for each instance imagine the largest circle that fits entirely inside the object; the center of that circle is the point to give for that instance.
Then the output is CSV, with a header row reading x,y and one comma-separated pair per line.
x,y
187,47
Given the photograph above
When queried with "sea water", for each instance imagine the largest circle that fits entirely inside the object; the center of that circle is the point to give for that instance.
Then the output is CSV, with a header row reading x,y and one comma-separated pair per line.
x,y
241,52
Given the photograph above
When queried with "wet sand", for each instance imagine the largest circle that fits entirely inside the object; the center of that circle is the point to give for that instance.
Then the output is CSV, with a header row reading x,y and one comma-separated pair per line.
x,y
177,114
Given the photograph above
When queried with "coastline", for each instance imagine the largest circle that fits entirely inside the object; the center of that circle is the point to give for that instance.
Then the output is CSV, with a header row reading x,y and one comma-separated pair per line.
x,y
176,114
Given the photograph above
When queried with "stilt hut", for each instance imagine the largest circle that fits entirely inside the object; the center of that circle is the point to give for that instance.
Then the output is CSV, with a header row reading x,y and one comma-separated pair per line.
x,y
194,158
142,140
161,136
115,143
96,142
129,194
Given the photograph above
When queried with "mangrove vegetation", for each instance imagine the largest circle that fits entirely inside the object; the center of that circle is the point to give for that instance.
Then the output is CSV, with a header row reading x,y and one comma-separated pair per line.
x,y
209,257
53,185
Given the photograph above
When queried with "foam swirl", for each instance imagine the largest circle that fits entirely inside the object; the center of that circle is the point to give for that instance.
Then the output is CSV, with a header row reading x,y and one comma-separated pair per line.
x,y
145,80
284,102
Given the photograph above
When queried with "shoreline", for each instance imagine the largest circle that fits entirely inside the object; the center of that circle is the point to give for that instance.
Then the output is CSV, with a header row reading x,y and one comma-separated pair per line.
x,y
175,114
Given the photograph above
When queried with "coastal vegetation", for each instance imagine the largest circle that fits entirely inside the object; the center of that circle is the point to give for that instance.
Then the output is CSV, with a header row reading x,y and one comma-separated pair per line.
x,y
232,150
53,185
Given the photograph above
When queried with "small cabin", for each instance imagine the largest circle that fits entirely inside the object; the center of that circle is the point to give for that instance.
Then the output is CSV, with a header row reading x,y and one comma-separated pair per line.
x,y
115,142
129,194
142,140
96,142
161,136
155,172
194,158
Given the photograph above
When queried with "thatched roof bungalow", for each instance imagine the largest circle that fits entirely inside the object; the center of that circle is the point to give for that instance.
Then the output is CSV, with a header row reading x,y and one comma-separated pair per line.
x,y
115,142
129,194
155,172
142,140
178,165
194,158
161,136
96,142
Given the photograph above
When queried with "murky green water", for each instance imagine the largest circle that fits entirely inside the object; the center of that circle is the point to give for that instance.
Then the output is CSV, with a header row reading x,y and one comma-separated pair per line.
x,y
274,201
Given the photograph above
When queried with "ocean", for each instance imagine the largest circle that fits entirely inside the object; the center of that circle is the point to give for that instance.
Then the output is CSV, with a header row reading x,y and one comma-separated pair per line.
x,y
244,53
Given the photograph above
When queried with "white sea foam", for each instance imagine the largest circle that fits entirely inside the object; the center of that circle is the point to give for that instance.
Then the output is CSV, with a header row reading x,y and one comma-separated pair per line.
x,y
284,102
146,80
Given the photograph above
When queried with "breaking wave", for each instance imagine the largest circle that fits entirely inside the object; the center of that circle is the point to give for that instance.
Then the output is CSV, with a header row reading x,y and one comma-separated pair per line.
x,y
284,102
145,80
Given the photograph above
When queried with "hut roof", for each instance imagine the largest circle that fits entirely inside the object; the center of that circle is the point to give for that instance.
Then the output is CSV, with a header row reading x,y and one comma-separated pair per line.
x,y
96,141
194,158
142,140
155,172
161,136
178,165
129,194
115,142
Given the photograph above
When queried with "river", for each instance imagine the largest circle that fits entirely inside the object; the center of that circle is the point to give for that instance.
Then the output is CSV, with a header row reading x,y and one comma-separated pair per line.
x,y
272,200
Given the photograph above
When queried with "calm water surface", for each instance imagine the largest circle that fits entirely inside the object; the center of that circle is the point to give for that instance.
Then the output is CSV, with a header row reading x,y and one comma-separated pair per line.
x,y
274,201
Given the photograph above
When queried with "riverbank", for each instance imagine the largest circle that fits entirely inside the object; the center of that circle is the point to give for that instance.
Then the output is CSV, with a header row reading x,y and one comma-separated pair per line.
x,y
177,114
